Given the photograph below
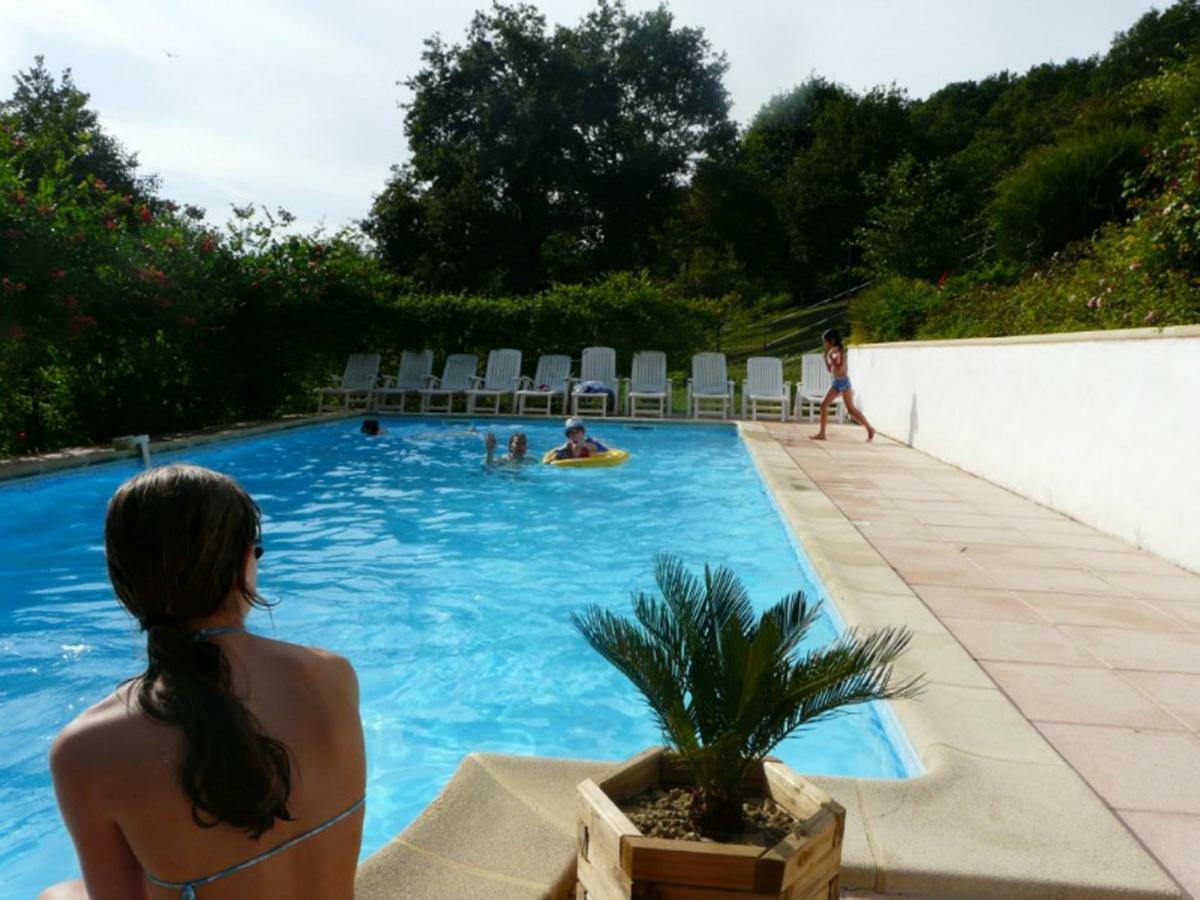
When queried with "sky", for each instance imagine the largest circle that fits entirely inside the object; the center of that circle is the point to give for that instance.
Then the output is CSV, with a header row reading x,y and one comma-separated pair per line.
x,y
294,103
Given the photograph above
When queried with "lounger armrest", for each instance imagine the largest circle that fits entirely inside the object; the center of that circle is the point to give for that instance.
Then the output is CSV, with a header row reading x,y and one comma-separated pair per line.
x,y
524,383
434,382
476,383
388,382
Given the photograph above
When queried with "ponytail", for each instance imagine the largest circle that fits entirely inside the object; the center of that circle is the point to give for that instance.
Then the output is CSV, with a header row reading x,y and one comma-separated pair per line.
x,y
176,539
232,772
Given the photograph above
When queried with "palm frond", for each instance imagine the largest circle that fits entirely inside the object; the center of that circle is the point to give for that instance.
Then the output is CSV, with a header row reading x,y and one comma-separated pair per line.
x,y
653,671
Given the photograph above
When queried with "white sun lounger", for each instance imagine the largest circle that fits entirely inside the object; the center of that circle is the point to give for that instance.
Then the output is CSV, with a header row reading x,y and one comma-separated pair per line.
x,y
457,375
599,364
764,385
357,382
815,382
710,385
648,389
551,381
502,378
416,368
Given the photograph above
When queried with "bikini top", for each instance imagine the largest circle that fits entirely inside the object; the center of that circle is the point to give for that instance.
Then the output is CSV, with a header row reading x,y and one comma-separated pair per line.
x,y
189,887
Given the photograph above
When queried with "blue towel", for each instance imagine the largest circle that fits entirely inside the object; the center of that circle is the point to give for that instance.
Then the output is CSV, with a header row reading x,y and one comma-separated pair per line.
x,y
597,387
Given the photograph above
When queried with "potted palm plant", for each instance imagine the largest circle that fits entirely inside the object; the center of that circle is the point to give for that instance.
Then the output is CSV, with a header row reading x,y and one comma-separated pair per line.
x,y
725,689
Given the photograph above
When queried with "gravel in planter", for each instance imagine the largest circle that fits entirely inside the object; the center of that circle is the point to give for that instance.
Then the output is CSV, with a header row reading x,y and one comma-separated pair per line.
x,y
674,813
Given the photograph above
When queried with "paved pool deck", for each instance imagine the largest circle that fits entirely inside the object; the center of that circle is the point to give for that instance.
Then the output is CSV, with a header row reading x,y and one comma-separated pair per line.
x,y
1096,642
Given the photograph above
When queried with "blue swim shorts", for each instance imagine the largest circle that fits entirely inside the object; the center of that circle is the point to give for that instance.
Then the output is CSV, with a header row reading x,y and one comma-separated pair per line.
x,y
841,384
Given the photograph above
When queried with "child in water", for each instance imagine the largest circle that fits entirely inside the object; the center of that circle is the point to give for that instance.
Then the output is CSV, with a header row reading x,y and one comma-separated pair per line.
x,y
835,362
578,445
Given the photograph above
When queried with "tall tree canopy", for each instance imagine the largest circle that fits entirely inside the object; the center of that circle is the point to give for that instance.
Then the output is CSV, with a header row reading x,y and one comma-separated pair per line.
x,y
51,119
544,154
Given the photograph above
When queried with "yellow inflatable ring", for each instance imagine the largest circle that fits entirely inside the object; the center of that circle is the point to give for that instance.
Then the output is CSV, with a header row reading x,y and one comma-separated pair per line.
x,y
607,458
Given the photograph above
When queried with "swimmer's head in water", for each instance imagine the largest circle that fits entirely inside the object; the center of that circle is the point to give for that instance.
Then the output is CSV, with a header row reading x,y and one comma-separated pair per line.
x,y
518,445
370,426
574,424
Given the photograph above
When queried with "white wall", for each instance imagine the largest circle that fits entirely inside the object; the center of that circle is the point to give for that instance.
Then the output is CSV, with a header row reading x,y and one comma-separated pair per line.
x,y
1102,426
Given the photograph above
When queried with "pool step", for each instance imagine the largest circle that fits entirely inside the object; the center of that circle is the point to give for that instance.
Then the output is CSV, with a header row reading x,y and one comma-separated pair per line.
x,y
503,828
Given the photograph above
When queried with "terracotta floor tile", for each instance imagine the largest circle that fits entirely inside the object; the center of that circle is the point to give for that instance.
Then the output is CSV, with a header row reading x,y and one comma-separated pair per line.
x,y
893,529
1185,611
971,535
1174,839
1066,581
1018,642
1079,695
1158,587
917,507
1138,561
1180,694
976,603
1038,525
972,520
1148,651
1114,612
901,547
949,571
1150,771
1085,541
994,556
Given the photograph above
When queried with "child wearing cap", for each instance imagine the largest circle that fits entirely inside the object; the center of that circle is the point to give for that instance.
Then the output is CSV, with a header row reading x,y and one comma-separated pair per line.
x,y
578,444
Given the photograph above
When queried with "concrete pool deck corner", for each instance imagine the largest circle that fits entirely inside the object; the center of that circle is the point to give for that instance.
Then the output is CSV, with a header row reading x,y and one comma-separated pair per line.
x,y
1004,808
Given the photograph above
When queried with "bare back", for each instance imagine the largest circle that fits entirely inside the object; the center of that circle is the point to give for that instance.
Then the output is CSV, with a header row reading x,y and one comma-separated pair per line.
x,y
117,772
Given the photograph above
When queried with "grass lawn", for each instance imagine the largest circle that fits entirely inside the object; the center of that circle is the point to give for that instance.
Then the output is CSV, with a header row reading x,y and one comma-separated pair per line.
x,y
787,332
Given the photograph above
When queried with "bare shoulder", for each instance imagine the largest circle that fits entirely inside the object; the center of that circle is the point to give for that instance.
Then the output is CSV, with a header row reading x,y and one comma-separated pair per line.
x,y
89,741
321,669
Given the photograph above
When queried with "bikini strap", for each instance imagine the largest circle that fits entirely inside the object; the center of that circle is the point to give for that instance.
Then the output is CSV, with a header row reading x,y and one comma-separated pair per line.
x,y
204,633
189,887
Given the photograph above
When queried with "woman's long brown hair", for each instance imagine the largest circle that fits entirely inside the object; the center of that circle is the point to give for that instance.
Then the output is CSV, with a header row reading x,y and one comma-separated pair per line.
x,y
176,539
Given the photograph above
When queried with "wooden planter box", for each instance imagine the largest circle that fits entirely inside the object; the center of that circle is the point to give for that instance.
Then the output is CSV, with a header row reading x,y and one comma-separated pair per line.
x,y
616,862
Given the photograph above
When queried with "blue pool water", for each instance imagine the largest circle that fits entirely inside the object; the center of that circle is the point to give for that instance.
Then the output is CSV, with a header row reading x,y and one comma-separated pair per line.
x,y
449,587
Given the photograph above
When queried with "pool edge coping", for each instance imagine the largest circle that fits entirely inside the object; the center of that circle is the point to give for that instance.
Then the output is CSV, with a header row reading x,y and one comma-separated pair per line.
x,y
989,774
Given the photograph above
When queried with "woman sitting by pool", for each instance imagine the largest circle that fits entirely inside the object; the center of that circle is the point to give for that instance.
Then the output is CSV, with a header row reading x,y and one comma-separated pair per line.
x,y
197,778
578,445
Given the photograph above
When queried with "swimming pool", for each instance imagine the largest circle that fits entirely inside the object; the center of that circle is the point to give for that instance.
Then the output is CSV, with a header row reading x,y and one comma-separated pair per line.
x,y
449,587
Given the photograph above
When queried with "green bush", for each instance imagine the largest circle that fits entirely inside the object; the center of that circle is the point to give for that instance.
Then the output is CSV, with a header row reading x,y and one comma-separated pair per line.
x,y
1065,191
626,311
891,310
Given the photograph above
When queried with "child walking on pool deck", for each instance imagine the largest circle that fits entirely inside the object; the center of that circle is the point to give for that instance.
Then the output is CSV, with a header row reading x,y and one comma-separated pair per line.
x,y
835,362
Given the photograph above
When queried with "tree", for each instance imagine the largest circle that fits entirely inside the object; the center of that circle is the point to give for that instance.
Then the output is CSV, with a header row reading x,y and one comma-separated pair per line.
x,y
916,227
824,198
52,120
1157,38
537,152
786,125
